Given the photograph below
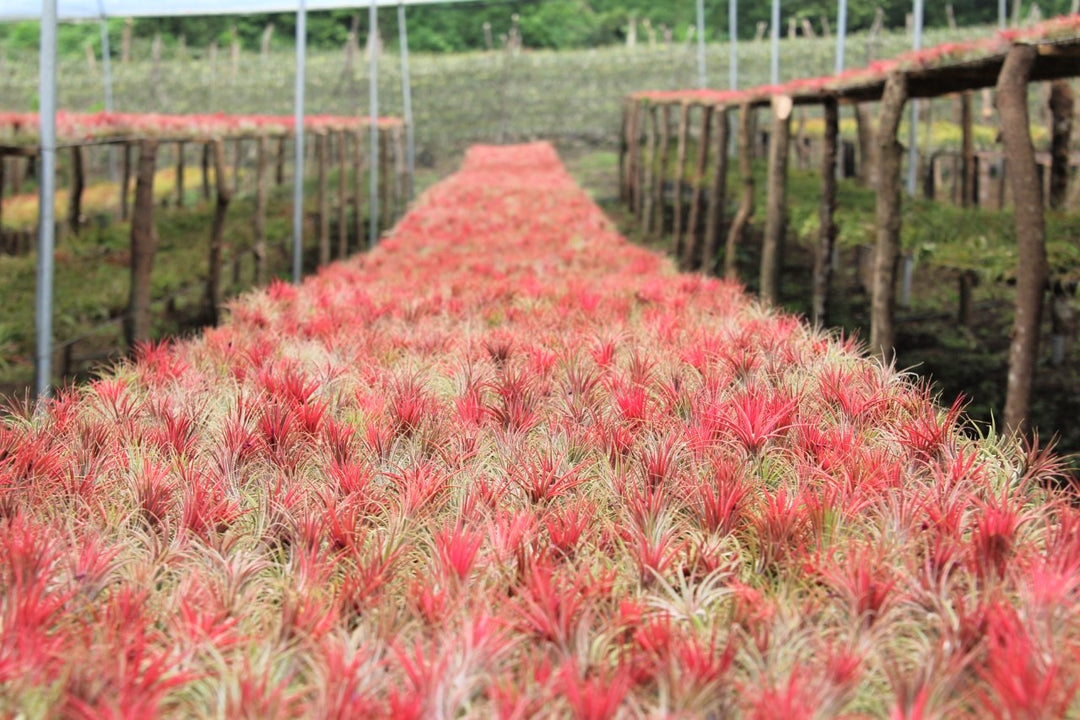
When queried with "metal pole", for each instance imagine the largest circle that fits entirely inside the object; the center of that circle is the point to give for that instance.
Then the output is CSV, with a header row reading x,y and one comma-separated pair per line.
x,y
298,134
106,68
1003,15
913,131
841,35
733,42
406,95
373,99
703,80
43,300
774,64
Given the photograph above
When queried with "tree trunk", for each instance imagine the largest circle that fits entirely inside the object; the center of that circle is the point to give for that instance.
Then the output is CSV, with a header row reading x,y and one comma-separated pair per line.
x,y
746,201
717,197
692,256
217,232
1031,271
144,242
206,171
259,245
680,178
772,247
661,171
889,150
827,231
1061,110
323,199
78,182
279,167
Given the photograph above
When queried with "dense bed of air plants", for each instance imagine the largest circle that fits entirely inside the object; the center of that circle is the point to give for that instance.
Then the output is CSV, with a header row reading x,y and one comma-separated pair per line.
x,y
510,465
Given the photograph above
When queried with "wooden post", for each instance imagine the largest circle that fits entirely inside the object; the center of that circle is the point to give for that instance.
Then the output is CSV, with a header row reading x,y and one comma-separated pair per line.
x,y
717,194
889,151
144,242
343,200
634,157
259,245
323,199
206,170
384,179
965,313
968,166
180,174
1061,111
661,171
692,255
238,159
217,232
649,201
746,202
358,186
867,169
827,229
1031,270
125,181
279,165
78,182
3,167
680,176
624,148
772,248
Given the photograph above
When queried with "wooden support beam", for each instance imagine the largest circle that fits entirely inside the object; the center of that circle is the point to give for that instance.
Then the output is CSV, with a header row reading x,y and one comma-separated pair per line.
x,y
206,160
624,149
827,226
1031,271
967,164
772,247
680,177
279,166
692,255
717,194
385,181
887,249
632,159
144,241
746,201
358,186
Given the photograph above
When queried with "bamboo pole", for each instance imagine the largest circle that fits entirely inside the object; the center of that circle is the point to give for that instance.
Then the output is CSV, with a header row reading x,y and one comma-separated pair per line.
x,y
717,197
772,247
889,150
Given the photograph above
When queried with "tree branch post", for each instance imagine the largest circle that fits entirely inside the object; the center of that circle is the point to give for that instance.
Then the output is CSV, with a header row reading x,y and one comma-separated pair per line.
x,y
889,152
717,194
772,247
1031,271
144,241
746,201
827,229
